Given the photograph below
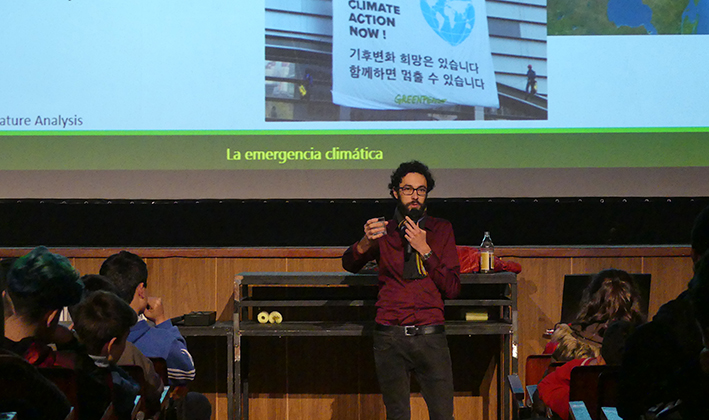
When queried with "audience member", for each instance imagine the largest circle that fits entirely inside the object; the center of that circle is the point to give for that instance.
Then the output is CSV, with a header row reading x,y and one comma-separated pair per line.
x,y
129,274
38,286
131,356
661,374
612,295
102,321
554,389
36,398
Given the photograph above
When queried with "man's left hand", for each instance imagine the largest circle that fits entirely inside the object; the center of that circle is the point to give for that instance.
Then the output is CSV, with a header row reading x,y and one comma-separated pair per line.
x,y
155,310
416,237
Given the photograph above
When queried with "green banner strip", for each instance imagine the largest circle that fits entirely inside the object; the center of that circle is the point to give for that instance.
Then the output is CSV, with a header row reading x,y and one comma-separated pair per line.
x,y
356,150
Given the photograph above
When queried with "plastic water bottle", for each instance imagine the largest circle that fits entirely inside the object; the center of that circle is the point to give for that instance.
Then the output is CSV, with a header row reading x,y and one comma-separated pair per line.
x,y
487,254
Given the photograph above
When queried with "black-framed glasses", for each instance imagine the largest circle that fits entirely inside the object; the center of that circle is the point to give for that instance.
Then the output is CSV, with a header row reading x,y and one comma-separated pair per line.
x,y
409,190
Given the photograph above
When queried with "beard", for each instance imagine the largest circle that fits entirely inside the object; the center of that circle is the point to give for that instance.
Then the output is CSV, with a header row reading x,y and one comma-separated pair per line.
x,y
415,213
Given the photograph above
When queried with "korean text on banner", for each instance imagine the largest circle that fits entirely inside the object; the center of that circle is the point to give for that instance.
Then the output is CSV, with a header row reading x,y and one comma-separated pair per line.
x,y
411,54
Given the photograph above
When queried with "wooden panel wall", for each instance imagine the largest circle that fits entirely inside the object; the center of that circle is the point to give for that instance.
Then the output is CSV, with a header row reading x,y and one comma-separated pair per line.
x,y
331,378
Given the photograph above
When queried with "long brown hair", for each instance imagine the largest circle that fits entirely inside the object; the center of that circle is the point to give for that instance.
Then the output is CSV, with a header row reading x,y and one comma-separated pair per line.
x,y
612,295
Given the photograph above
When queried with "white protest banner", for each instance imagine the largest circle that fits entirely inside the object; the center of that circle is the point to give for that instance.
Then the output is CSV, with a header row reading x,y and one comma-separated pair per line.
x,y
411,54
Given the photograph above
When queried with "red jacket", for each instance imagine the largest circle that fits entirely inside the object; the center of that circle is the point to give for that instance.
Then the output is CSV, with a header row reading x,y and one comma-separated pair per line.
x,y
554,388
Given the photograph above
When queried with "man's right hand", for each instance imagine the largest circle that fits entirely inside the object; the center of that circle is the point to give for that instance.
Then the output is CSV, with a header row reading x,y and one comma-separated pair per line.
x,y
373,230
155,311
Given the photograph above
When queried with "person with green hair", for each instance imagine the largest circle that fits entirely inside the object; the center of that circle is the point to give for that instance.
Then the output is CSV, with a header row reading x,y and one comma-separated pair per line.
x,y
32,395
38,286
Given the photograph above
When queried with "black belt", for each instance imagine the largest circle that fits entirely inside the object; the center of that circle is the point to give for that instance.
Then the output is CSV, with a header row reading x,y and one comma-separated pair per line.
x,y
410,330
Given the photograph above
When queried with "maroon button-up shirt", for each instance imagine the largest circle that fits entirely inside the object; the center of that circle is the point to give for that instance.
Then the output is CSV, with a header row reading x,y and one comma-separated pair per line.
x,y
411,302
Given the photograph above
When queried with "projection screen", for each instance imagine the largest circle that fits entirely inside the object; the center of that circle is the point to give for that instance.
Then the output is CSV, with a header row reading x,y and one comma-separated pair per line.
x,y
323,98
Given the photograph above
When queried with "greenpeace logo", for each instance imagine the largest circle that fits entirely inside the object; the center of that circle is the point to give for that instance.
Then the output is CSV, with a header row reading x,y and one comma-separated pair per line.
x,y
418,99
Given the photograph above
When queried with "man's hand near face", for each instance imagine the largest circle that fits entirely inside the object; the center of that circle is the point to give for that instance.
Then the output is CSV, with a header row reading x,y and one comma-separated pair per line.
x,y
416,237
155,310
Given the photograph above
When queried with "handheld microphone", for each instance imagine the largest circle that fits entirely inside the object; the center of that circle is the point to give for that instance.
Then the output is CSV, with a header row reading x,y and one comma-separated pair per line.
x,y
407,245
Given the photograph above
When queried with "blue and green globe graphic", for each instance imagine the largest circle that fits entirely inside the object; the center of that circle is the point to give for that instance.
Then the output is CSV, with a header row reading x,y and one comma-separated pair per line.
x,y
452,20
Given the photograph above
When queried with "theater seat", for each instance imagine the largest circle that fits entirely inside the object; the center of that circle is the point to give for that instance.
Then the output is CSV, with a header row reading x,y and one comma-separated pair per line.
x,y
596,386
535,368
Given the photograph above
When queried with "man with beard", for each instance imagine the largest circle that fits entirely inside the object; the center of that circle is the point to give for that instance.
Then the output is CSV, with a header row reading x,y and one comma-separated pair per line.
x,y
418,268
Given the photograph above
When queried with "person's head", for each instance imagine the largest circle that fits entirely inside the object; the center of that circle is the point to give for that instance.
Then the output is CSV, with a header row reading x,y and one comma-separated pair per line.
x,y
93,283
410,185
96,282
102,321
38,286
529,66
700,235
611,295
129,273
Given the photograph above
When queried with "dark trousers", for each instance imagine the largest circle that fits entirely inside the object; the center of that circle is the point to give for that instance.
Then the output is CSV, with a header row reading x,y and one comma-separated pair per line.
x,y
396,356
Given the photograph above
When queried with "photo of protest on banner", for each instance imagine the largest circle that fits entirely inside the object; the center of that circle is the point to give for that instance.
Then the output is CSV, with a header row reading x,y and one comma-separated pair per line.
x,y
398,60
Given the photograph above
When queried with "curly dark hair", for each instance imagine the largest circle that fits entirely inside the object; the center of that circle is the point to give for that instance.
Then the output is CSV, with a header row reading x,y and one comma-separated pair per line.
x,y
612,295
413,166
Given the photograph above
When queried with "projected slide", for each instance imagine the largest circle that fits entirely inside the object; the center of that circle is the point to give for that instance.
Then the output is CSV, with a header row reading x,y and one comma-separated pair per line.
x,y
170,66
171,85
